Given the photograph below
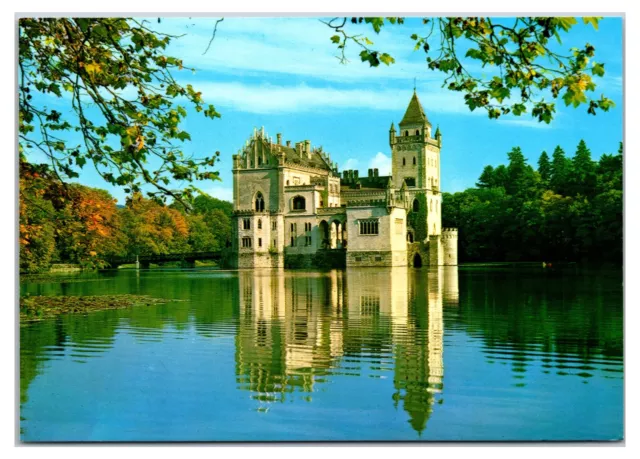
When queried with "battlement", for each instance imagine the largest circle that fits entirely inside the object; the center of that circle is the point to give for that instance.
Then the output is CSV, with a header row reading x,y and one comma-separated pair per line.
x,y
449,233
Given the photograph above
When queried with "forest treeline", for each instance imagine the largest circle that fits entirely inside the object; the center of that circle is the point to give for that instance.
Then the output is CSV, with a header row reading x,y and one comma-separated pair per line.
x,y
568,209
72,223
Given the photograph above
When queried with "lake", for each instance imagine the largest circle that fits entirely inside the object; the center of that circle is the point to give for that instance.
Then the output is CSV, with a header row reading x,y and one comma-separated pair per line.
x,y
451,353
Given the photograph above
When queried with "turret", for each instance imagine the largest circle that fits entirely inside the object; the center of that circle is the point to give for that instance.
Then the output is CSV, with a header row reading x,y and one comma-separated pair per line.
x,y
438,136
392,135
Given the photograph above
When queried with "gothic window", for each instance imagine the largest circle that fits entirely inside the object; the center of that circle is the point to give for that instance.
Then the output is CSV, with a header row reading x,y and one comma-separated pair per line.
x,y
404,162
293,241
259,242
299,203
416,205
246,223
417,131
287,182
259,160
406,133
307,240
369,226
259,223
409,237
321,202
414,160
274,225
246,242
259,202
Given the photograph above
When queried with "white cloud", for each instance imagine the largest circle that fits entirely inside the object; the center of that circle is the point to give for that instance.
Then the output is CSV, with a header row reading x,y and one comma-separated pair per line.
x,y
349,164
381,162
296,46
530,123
269,98
221,192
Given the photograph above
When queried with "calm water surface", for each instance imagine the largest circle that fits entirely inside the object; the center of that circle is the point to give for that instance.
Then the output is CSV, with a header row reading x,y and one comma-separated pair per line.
x,y
369,354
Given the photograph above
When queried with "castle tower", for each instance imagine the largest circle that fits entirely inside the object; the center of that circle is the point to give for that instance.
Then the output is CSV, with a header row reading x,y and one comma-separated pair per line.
x,y
416,164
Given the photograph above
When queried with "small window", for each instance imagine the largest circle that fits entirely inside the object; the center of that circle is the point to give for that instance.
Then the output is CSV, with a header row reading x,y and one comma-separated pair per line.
x,y
287,182
410,237
404,161
274,243
259,160
369,226
406,133
431,206
299,203
414,160
293,241
259,223
246,242
416,205
259,242
307,241
259,202
417,131
246,223
274,225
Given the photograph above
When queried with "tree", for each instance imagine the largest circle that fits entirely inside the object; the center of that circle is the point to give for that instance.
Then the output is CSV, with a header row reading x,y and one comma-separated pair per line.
x,y
560,166
88,227
544,168
487,179
583,172
519,63
36,217
152,228
123,116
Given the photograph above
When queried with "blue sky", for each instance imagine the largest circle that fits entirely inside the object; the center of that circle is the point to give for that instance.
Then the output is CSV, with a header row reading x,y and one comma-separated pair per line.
x,y
283,74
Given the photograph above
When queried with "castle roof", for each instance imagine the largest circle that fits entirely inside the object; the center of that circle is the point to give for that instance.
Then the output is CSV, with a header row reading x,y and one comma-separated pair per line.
x,y
415,113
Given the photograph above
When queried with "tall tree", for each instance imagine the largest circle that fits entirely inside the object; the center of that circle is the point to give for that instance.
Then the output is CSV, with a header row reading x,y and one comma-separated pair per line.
x,y
544,168
487,179
560,167
582,176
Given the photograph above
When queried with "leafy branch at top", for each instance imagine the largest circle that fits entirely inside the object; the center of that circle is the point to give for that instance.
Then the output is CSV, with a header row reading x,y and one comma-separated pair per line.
x,y
520,55
122,98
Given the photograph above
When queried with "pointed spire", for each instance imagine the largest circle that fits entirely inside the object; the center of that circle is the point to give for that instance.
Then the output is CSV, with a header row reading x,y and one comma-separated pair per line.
x,y
415,113
438,131
393,127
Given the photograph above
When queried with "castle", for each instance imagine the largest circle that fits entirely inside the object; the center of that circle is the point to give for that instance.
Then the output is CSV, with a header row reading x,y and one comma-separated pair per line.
x,y
292,208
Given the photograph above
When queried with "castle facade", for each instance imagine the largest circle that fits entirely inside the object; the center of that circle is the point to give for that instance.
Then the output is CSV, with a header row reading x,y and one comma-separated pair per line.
x,y
293,208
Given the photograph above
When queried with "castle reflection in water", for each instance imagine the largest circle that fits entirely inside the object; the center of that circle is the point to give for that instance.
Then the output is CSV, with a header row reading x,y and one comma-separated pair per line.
x,y
297,332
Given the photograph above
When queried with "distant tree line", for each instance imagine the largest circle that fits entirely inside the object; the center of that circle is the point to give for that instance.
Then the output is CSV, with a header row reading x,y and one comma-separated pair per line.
x,y
569,209
72,223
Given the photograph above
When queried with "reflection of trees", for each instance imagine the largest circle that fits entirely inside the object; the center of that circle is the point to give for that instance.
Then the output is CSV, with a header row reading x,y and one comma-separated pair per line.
x,y
295,328
563,314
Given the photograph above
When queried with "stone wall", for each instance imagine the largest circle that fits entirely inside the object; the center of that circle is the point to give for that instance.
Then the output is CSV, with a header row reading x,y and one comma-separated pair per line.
x,y
376,258
322,259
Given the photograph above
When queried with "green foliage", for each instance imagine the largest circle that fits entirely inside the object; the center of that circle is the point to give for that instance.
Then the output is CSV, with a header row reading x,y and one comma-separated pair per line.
x,y
120,97
518,51
570,209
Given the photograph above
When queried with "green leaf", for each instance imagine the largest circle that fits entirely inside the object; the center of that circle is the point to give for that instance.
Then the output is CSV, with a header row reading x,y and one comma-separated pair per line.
x,y
335,39
591,20
597,69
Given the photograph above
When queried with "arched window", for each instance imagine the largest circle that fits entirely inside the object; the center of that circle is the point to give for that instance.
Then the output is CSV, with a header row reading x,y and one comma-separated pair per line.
x,y
259,223
414,160
287,182
409,237
299,203
259,202
404,161
417,131
406,133
416,205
